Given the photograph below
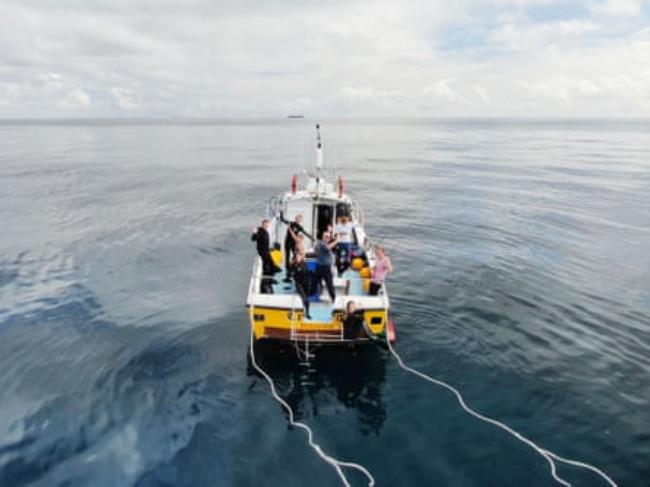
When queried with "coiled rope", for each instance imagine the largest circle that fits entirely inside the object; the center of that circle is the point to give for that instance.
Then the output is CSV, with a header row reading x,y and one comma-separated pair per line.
x,y
338,465
547,454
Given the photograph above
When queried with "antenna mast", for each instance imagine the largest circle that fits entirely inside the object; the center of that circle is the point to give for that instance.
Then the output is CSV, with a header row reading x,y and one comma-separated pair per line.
x,y
319,149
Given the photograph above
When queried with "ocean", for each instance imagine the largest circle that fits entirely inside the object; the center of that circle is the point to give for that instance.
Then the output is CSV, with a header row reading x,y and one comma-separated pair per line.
x,y
522,277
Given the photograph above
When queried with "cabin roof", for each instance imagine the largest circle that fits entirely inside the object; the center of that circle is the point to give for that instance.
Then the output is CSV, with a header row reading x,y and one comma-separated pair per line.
x,y
311,197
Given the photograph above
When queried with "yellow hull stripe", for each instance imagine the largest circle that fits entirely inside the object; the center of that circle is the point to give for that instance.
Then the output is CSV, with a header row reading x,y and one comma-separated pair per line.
x,y
283,319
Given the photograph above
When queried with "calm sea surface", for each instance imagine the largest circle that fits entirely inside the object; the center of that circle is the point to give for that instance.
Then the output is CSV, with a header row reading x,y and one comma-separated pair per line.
x,y
522,255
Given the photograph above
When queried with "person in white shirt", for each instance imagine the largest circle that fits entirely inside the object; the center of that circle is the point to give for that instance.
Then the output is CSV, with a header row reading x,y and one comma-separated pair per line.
x,y
343,230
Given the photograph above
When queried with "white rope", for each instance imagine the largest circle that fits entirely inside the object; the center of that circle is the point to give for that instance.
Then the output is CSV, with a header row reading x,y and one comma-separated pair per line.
x,y
548,455
336,464
586,466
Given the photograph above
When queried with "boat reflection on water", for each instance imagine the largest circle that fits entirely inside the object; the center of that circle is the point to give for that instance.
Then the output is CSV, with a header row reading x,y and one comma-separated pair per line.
x,y
353,376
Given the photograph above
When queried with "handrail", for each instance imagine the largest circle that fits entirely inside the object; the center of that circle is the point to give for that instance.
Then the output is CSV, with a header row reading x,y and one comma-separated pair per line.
x,y
274,202
384,295
357,278
253,284
293,316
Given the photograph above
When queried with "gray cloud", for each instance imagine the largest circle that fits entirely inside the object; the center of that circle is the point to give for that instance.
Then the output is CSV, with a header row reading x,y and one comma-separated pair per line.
x,y
211,58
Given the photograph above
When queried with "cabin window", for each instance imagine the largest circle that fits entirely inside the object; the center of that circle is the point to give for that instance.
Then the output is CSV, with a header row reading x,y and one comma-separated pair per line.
x,y
375,320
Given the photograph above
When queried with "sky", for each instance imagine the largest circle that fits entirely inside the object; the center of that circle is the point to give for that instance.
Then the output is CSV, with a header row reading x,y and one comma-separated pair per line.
x,y
253,58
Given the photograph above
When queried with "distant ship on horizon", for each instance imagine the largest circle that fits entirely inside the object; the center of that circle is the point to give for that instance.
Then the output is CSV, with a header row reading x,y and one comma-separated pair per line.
x,y
296,115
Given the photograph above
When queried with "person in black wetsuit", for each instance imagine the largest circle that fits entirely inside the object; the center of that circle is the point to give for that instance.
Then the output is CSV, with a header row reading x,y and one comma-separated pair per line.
x,y
324,261
261,236
353,324
295,229
301,280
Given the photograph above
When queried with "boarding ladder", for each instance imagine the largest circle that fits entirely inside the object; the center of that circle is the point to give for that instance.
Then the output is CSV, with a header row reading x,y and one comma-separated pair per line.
x,y
305,336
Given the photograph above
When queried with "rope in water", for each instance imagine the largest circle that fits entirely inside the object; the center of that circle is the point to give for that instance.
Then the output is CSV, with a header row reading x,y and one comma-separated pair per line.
x,y
338,465
547,454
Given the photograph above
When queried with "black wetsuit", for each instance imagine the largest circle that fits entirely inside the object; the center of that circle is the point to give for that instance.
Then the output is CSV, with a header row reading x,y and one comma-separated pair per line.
x,y
301,280
353,326
290,243
262,239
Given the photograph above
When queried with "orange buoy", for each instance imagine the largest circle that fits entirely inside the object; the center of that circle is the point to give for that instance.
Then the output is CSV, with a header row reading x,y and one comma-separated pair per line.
x,y
365,272
357,263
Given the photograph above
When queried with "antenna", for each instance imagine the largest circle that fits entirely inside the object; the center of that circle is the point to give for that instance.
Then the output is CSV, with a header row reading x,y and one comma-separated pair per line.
x,y
319,149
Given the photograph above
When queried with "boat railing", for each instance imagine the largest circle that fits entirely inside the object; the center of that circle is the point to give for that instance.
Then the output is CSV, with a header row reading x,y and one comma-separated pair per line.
x,y
293,319
358,212
256,282
384,295
273,208
301,334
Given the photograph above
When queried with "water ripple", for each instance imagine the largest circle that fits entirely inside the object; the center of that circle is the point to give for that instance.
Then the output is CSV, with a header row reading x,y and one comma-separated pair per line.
x,y
521,276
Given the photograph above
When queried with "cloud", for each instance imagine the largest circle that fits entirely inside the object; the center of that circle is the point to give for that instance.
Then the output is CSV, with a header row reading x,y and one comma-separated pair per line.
x,y
125,98
368,94
445,90
298,106
74,99
531,37
618,8
617,85
360,57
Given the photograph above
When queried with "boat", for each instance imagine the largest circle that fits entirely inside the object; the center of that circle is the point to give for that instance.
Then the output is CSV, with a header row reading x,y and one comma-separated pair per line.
x,y
295,115
276,310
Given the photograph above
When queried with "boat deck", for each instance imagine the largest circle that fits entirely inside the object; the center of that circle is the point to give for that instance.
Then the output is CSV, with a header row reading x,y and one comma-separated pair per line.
x,y
320,313
349,284
340,283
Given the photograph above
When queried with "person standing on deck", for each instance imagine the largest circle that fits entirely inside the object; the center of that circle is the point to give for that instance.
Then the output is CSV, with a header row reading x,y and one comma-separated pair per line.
x,y
383,266
295,228
324,259
300,244
344,229
261,236
301,279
